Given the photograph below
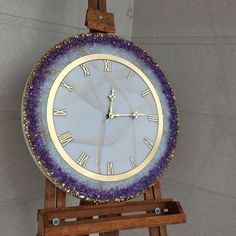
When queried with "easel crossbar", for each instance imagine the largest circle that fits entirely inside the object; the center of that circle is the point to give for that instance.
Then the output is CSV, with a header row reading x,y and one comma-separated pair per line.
x,y
97,218
84,225
111,208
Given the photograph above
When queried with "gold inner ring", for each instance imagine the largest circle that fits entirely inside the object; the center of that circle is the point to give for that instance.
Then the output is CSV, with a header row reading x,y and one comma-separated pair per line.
x,y
53,133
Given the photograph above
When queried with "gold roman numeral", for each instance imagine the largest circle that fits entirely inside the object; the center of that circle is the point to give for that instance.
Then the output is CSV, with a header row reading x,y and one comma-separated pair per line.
x,y
145,93
85,69
67,86
129,75
148,143
59,112
83,159
133,161
65,138
153,118
110,170
107,65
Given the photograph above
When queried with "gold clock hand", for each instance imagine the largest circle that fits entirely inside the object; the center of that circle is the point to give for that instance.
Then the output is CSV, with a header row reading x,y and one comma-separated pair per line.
x,y
133,115
111,97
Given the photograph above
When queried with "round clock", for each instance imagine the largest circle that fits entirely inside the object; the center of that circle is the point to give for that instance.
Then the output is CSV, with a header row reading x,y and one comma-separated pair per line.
x,y
99,117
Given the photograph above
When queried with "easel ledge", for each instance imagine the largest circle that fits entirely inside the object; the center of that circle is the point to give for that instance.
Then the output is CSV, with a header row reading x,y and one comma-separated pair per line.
x,y
107,219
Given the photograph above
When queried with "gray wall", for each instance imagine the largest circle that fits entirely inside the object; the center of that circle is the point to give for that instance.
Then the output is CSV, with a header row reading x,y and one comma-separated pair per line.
x,y
194,42
27,29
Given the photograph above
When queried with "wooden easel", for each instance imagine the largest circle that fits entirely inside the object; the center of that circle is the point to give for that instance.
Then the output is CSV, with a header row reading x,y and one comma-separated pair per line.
x,y
107,219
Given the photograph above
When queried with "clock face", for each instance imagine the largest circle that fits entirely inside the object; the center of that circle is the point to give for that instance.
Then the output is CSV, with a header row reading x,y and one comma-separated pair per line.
x,y
99,117
104,117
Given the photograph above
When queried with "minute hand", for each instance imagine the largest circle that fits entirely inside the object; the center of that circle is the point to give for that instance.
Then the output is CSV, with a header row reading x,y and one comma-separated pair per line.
x,y
132,115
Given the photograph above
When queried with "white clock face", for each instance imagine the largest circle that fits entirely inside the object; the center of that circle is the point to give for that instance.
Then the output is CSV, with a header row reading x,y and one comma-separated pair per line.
x,y
104,117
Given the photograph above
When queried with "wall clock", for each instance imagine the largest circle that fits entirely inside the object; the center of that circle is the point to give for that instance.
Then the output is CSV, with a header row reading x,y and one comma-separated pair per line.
x,y
99,117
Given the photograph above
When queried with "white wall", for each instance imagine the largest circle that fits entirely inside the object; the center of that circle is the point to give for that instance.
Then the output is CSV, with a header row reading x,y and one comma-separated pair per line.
x,y
194,41
27,29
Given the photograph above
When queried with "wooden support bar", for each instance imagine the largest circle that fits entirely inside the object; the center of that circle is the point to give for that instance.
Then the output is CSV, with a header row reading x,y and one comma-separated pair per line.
x,y
97,4
102,5
109,209
87,224
85,203
50,194
60,198
153,231
112,224
98,19
157,191
114,233
93,4
157,196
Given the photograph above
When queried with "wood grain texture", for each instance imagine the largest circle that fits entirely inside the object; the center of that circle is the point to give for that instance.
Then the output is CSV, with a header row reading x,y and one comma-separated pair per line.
x,y
112,219
50,195
102,5
60,198
109,209
111,224
158,196
100,21
93,4
153,231
85,203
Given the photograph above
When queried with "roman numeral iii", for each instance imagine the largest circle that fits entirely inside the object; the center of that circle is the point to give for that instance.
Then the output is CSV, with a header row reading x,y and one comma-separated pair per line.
x,y
107,66
83,159
65,139
153,118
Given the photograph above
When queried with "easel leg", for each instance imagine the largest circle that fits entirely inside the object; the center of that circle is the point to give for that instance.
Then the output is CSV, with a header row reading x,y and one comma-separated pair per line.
x,y
50,195
157,194
114,233
82,203
60,198
154,193
54,197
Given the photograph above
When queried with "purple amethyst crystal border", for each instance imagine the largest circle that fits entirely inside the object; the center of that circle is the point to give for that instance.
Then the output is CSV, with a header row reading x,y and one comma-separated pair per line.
x,y
32,129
